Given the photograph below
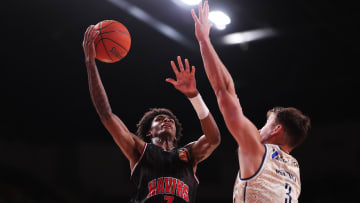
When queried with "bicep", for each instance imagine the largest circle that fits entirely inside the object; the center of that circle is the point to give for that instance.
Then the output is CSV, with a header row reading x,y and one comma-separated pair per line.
x,y
242,129
251,150
207,143
201,149
130,144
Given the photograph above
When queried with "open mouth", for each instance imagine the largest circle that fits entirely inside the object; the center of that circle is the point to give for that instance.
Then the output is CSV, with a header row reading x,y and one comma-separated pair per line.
x,y
166,126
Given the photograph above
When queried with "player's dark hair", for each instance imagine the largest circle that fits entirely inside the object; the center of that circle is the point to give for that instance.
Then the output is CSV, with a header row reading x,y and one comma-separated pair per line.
x,y
145,123
294,122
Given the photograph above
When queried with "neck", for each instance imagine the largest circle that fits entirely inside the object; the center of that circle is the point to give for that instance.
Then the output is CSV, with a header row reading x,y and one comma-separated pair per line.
x,y
163,143
285,148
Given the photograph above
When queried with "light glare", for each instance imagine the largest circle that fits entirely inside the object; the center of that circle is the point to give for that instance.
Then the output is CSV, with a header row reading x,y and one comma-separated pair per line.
x,y
219,19
191,2
243,37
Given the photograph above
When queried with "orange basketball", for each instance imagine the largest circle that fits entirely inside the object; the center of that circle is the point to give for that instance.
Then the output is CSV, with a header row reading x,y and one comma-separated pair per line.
x,y
113,41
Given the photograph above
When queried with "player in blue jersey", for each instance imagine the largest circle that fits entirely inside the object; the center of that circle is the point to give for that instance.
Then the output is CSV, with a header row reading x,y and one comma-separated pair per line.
x,y
268,173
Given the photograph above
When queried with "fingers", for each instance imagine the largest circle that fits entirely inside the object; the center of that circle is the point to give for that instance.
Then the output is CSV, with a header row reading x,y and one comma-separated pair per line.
x,y
193,70
174,67
170,80
181,66
94,34
193,14
187,66
200,11
206,13
90,35
86,36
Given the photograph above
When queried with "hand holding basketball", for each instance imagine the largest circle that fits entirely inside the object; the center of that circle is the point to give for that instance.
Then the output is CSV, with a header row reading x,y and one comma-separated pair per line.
x,y
88,43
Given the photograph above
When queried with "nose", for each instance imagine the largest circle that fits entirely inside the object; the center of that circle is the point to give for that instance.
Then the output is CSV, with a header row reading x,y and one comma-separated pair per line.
x,y
167,120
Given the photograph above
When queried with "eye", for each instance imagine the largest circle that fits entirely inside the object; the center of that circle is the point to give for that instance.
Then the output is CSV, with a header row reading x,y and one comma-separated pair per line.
x,y
172,120
159,118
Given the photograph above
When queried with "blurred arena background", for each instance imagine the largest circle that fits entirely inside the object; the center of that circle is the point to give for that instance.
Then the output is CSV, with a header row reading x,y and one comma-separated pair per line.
x,y
53,147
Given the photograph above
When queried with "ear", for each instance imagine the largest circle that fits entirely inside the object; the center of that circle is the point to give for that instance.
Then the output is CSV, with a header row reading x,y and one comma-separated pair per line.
x,y
276,130
148,134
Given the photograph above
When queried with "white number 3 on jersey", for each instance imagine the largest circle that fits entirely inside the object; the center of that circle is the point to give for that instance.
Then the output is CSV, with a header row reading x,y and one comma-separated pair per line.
x,y
287,192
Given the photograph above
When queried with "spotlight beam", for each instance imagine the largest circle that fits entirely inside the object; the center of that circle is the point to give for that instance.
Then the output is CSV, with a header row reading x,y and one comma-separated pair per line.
x,y
163,28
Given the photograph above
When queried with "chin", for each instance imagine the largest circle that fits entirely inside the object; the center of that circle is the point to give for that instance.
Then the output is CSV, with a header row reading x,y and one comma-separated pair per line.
x,y
166,134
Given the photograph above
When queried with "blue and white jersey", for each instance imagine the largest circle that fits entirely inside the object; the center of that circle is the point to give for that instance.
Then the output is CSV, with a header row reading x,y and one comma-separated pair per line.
x,y
277,180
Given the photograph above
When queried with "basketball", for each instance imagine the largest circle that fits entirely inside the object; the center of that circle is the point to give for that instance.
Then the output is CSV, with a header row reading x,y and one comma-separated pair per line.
x,y
113,42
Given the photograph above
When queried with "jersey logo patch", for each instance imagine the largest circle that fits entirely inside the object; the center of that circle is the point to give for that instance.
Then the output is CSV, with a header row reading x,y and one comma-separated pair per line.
x,y
274,155
183,155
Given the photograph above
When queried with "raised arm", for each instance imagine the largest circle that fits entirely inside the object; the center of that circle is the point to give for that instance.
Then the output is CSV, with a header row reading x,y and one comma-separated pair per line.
x,y
186,84
245,133
129,144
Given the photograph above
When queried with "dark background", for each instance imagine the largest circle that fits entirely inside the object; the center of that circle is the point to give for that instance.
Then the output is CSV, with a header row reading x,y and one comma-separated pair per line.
x,y
53,147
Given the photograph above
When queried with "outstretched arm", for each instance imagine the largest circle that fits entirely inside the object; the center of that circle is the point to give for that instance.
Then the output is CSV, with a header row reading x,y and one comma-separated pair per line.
x,y
245,133
129,144
185,83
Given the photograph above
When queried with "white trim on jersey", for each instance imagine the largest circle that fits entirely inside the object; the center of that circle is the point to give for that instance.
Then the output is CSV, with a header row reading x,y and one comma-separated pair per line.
x,y
261,167
142,154
196,178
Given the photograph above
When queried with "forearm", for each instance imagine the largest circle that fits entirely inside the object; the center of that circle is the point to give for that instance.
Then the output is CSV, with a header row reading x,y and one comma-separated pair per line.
x,y
97,91
211,130
219,77
207,143
222,83
208,124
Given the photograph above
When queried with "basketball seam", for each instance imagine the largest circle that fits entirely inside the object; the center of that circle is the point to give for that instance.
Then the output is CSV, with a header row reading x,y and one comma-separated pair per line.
x,y
116,31
106,25
110,32
101,39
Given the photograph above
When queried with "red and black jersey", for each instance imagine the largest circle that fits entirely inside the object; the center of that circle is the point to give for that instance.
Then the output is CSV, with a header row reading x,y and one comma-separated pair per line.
x,y
164,176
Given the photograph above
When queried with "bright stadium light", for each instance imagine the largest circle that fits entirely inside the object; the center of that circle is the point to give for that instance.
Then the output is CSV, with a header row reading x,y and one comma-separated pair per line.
x,y
248,36
219,19
191,2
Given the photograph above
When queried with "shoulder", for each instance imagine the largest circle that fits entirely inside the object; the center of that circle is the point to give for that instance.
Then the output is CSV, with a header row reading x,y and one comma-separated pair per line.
x,y
189,145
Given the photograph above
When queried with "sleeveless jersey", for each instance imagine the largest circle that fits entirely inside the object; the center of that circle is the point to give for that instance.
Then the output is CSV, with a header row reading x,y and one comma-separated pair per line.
x,y
164,176
277,180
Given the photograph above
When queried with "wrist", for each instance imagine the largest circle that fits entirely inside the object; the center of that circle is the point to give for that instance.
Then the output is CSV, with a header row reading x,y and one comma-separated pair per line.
x,y
192,94
89,61
204,40
200,107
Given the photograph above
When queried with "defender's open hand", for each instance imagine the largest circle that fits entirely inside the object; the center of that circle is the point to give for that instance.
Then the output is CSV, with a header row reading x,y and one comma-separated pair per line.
x,y
202,25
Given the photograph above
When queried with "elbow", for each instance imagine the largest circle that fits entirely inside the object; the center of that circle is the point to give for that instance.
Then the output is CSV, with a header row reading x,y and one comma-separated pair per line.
x,y
216,140
223,88
230,107
225,99
105,115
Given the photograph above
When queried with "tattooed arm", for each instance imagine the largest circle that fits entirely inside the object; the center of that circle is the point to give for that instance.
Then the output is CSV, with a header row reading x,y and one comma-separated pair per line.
x,y
130,144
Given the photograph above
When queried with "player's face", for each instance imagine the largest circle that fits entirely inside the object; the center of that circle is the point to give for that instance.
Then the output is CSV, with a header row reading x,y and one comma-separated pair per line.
x,y
266,131
163,125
